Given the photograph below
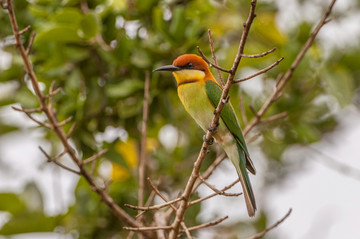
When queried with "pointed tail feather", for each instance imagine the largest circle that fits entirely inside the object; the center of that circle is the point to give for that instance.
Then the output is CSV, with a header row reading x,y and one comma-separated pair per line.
x,y
245,182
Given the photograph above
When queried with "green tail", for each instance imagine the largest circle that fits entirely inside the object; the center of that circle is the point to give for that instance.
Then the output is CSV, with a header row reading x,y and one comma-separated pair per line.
x,y
245,181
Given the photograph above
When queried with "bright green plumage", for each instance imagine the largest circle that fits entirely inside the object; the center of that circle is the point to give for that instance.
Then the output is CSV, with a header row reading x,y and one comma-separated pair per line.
x,y
228,116
200,95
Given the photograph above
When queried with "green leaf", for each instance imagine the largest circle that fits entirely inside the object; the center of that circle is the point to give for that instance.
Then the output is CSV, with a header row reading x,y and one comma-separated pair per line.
x,y
38,11
340,84
157,17
307,133
124,89
89,25
10,202
60,34
69,16
4,129
178,23
29,222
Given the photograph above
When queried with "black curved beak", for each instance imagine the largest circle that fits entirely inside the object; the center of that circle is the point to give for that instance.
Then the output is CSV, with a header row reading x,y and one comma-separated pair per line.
x,y
168,68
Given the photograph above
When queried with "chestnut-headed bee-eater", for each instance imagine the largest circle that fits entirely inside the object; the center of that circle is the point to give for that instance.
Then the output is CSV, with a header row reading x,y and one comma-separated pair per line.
x,y
200,94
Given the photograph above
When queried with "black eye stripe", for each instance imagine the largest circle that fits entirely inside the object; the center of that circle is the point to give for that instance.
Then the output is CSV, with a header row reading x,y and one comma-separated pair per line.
x,y
191,66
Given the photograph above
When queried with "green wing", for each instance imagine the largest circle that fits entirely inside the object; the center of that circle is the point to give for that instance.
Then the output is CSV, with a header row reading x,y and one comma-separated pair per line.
x,y
214,91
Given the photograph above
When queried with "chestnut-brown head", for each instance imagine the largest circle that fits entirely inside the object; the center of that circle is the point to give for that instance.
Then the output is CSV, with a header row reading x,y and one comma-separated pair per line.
x,y
189,68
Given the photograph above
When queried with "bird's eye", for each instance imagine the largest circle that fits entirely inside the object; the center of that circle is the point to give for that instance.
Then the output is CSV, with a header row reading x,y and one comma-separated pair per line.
x,y
189,64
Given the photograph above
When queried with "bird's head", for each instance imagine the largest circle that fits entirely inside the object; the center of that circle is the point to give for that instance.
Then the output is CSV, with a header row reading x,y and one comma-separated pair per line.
x,y
188,68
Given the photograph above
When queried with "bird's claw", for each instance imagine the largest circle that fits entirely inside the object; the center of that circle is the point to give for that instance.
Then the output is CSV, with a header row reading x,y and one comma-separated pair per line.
x,y
213,130
209,142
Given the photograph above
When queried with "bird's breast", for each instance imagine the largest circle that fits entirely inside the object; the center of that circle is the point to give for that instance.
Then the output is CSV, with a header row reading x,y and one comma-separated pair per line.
x,y
197,104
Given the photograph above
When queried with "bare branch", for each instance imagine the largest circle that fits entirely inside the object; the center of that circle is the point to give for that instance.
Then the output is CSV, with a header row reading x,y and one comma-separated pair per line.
x,y
32,38
242,110
254,111
155,207
161,218
260,72
274,117
64,122
147,228
210,170
163,198
209,224
71,130
261,234
142,160
253,138
24,30
36,110
46,125
55,160
219,192
214,57
214,194
95,156
259,55
210,63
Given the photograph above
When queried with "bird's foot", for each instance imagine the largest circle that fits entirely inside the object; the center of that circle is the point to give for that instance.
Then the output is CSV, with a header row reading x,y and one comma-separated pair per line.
x,y
214,130
209,142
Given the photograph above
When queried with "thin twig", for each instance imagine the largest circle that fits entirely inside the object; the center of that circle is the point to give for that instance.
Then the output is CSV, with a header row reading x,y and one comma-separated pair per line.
x,y
260,72
261,234
210,170
274,117
95,156
171,205
64,122
214,194
138,229
142,159
35,110
214,57
57,162
242,110
161,218
159,193
147,204
253,138
24,30
259,55
210,63
71,130
46,125
252,109
148,201
209,224
219,192
32,38
155,207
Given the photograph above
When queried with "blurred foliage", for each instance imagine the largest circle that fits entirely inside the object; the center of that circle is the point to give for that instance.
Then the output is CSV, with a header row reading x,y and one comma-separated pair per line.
x,y
98,52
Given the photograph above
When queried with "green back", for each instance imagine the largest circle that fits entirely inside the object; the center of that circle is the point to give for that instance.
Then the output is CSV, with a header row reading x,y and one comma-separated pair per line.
x,y
214,91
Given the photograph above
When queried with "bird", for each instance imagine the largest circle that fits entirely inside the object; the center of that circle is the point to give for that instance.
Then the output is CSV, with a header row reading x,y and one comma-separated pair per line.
x,y
200,94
